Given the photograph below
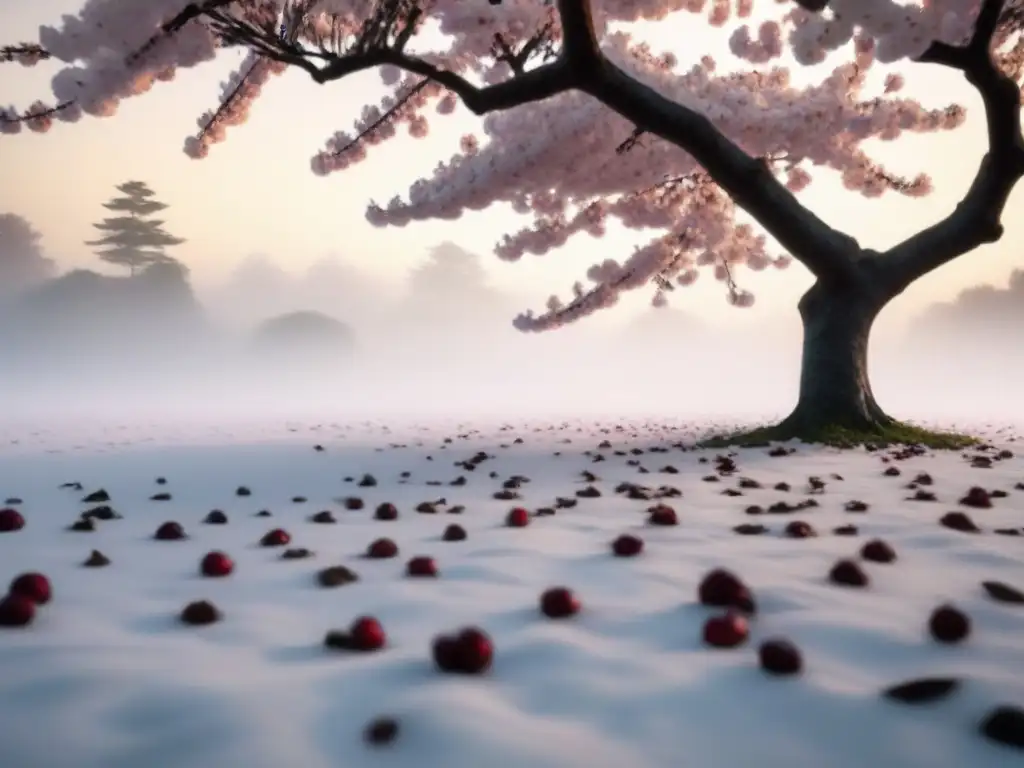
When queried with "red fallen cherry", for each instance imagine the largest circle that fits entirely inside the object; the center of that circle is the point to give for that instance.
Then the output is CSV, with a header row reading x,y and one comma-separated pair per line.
x,y
720,588
454,533
276,537
34,586
11,520
627,545
446,653
726,631
367,634
662,514
517,518
559,603
878,551
848,573
216,564
386,511
16,611
421,566
800,529
200,613
382,549
476,651
469,652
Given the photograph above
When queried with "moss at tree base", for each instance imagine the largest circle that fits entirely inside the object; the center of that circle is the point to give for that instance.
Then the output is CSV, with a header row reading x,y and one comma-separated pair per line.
x,y
892,433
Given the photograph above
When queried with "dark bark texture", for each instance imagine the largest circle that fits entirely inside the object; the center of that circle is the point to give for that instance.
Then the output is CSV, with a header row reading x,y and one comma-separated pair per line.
x,y
835,391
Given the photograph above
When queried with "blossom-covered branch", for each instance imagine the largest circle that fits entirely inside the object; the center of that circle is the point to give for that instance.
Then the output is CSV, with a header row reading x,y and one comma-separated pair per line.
x,y
976,219
599,118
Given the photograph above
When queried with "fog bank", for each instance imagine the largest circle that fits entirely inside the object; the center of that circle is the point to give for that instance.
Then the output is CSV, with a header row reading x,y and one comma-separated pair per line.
x,y
333,343
576,372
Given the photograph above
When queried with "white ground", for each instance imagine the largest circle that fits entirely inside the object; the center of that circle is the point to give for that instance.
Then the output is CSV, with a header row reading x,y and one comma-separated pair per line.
x,y
107,678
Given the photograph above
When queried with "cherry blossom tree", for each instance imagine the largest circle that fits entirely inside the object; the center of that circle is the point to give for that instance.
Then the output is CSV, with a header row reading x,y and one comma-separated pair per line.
x,y
584,125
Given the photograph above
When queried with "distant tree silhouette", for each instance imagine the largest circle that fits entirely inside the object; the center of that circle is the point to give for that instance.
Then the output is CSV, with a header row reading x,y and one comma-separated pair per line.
x,y
22,263
453,284
303,326
980,309
448,269
258,276
133,241
303,338
91,315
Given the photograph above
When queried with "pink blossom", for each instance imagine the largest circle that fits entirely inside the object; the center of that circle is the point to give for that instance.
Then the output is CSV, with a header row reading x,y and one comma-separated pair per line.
x,y
893,82
555,161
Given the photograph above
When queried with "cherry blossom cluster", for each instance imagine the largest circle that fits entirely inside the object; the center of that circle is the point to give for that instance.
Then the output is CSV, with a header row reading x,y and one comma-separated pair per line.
x,y
570,163
237,95
557,160
378,124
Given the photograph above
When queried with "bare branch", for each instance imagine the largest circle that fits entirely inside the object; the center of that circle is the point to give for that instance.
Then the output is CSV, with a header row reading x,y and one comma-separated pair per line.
x,y
976,219
541,41
632,141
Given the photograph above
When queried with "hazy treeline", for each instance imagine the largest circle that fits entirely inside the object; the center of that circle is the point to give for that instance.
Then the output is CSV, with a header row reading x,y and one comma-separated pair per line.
x,y
442,341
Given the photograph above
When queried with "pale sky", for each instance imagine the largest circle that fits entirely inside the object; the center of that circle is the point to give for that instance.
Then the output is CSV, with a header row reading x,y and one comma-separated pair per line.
x,y
255,192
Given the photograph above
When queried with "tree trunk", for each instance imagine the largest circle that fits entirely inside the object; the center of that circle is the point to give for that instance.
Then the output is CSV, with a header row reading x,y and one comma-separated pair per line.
x,y
835,391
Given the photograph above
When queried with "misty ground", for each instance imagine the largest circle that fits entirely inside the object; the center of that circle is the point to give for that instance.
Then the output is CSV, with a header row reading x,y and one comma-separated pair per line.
x,y
442,344
107,676
518,377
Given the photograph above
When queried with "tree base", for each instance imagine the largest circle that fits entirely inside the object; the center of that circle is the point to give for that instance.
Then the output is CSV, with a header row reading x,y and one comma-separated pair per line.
x,y
883,433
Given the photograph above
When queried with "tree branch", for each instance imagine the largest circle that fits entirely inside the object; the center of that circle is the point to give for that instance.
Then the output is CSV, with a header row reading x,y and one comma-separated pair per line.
x,y
833,257
30,51
581,65
544,82
376,124
580,55
516,60
830,255
976,219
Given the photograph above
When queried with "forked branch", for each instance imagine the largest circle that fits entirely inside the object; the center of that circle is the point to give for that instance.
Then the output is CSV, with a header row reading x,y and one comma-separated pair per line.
x,y
383,39
976,219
